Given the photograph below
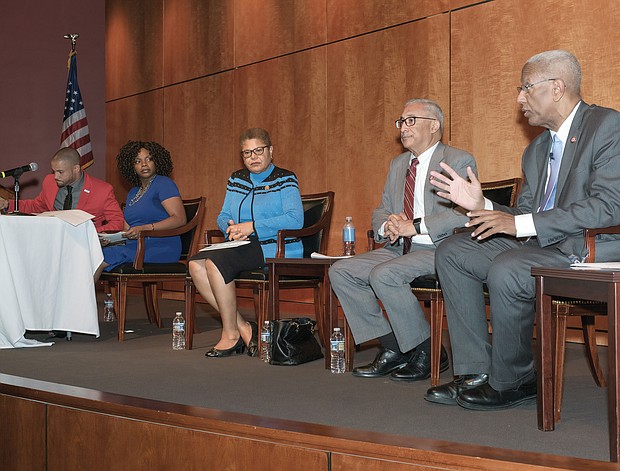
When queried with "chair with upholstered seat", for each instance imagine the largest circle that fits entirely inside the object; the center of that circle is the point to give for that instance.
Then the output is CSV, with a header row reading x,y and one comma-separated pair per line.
x,y
314,235
150,274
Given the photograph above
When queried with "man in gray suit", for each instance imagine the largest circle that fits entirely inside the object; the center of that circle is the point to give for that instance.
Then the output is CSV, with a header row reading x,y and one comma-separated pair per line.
x,y
571,182
411,221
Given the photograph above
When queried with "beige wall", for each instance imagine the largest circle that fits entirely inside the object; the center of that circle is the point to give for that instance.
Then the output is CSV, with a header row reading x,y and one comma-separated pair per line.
x,y
327,78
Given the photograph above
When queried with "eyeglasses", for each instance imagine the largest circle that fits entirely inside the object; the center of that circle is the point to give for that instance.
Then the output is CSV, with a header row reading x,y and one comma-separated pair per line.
x,y
528,86
246,154
409,121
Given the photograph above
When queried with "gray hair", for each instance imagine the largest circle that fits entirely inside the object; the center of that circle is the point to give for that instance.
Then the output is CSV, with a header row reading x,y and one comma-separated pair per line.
x,y
432,108
561,65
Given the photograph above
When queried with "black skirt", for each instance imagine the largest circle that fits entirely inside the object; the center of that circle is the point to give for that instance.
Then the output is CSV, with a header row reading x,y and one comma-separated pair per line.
x,y
232,261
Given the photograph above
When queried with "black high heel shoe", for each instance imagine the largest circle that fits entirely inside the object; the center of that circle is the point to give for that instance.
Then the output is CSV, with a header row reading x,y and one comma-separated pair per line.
x,y
253,344
237,348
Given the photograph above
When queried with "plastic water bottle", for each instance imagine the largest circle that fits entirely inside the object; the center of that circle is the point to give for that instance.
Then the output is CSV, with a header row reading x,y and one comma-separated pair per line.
x,y
348,236
265,339
178,332
336,347
108,308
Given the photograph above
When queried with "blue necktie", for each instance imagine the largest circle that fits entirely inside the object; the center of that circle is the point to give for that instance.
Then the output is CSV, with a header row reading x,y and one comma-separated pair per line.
x,y
555,159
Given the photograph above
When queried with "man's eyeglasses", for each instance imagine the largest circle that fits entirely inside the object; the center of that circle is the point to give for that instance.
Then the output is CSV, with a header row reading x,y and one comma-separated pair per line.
x,y
528,86
409,121
246,154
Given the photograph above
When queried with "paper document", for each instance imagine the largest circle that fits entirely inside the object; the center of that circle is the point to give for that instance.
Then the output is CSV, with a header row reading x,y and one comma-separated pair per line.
x,y
114,237
225,245
608,266
75,217
328,257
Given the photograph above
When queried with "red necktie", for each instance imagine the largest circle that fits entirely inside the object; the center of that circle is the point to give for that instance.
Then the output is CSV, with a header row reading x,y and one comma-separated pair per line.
x,y
408,200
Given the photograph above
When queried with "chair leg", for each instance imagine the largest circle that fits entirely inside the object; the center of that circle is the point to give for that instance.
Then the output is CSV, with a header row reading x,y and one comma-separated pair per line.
x,y
437,313
319,315
558,358
190,313
121,302
148,301
589,337
155,305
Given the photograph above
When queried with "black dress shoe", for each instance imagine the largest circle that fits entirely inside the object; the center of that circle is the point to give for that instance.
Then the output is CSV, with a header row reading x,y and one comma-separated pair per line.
x,y
237,348
447,393
252,349
486,398
420,366
384,363
56,335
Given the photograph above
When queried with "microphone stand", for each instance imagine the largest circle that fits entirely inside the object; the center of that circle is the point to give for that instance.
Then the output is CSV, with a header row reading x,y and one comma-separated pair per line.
x,y
15,212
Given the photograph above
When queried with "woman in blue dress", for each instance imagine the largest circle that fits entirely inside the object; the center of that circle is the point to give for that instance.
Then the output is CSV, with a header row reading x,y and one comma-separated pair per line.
x,y
260,200
153,203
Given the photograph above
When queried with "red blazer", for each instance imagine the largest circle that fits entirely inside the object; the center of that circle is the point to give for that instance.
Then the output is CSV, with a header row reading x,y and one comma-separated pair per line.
x,y
97,198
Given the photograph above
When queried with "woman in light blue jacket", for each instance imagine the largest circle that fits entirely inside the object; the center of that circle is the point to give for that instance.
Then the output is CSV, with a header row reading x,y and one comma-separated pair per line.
x,y
260,200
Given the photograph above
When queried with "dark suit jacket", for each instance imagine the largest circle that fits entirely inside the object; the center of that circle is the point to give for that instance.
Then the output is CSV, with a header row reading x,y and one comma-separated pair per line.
x,y
588,191
97,198
441,216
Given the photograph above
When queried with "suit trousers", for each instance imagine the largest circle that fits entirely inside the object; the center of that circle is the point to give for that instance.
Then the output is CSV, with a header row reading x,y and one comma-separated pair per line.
x,y
385,274
504,264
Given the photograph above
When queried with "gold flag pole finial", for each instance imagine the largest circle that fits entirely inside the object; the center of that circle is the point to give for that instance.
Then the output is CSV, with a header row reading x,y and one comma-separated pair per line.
x,y
73,38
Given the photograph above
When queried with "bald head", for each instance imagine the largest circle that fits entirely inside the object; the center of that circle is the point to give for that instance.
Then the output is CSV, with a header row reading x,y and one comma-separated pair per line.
x,y
66,166
67,154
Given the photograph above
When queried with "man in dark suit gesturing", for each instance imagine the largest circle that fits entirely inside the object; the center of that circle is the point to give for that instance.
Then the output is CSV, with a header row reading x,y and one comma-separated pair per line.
x,y
571,175
411,220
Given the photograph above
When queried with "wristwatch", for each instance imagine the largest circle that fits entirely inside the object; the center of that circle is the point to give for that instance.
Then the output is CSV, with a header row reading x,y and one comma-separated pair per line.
x,y
416,224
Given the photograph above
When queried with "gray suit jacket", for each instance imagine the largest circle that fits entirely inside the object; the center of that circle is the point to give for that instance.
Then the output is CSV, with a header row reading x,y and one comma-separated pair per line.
x,y
441,216
588,191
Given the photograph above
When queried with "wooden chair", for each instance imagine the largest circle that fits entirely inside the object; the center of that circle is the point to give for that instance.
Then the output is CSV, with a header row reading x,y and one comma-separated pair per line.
x,y
150,274
428,289
314,236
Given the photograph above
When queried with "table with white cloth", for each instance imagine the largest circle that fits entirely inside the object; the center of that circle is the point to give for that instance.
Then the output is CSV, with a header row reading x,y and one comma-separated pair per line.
x,y
46,277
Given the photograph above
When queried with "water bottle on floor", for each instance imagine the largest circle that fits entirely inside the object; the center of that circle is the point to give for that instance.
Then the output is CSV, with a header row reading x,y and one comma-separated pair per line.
x,y
348,236
178,332
265,338
336,346
108,308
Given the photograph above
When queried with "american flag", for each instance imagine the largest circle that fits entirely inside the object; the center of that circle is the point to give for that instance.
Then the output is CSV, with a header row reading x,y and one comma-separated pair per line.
x,y
75,126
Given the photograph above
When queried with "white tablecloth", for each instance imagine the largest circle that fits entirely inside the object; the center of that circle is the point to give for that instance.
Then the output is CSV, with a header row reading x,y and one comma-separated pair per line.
x,y
46,277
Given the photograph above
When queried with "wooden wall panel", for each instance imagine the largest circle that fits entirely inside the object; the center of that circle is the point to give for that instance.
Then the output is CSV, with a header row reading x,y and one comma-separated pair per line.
x,y
271,28
198,38
133,46
80,440
286,96
22,441
347,18
369,79
485,116
139,117
199,133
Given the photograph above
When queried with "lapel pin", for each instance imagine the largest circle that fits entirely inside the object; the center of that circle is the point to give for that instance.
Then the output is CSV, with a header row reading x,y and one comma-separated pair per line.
x,y
573,139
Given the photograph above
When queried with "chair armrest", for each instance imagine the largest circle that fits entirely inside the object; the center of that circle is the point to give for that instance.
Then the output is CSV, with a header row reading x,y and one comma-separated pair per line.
x,y
590,239
321,225
211,234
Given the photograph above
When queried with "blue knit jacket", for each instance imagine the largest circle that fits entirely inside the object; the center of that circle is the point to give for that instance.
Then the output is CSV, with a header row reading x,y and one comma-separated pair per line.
x,y
271,199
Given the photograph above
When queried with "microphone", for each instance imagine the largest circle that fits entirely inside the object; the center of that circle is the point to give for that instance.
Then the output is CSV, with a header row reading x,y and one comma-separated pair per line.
x,y
32,166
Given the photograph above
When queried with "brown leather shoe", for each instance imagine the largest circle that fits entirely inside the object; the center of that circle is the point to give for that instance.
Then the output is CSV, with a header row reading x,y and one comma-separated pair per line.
x,y
449,392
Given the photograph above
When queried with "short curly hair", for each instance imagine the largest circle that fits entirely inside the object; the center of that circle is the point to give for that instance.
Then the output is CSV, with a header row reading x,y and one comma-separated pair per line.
x,y
127,156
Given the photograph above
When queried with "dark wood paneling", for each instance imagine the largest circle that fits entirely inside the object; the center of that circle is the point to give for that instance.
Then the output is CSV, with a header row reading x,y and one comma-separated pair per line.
x,y
270,28
22,440
286,96
199,133
134,47
139,117
485,116
369,79
80,440
347,18
198,38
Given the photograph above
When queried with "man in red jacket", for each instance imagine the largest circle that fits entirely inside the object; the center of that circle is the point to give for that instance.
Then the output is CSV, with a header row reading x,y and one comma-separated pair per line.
x,y
68,187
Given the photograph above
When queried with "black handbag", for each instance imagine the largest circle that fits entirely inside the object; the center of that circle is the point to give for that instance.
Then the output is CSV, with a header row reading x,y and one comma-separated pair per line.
x,y
293,341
